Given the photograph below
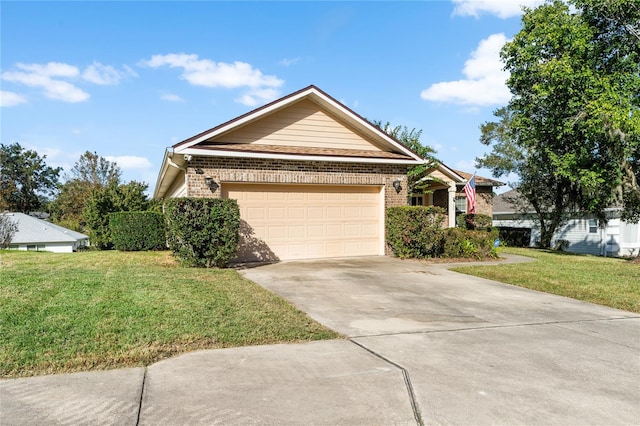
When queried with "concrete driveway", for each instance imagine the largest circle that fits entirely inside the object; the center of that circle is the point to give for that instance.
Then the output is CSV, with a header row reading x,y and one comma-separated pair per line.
x,y
474,351
425,346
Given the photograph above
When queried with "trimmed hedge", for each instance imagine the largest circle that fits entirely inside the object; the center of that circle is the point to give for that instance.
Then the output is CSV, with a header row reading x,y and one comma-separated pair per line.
x,y
203,232
415,231
470,244
137,231
474,221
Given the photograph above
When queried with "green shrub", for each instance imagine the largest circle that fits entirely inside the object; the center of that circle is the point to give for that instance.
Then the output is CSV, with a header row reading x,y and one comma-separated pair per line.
x,y
203,232
137,231
469,244
474,221
416,231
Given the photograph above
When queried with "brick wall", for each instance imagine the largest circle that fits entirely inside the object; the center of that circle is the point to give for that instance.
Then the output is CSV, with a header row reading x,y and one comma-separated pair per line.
x,y
484,199
250,170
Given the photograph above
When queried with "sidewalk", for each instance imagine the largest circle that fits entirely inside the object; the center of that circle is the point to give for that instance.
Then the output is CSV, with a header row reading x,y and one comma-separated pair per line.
x,y
325,382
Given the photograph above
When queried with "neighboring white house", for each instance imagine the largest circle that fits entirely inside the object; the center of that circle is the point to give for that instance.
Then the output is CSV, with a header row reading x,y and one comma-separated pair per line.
x,y
617,238
39,235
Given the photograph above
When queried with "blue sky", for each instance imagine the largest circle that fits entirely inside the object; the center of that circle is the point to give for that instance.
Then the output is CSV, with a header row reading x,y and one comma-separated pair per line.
x,y
128,79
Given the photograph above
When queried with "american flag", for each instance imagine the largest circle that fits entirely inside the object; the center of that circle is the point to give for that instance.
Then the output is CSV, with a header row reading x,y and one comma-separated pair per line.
x,y
470,192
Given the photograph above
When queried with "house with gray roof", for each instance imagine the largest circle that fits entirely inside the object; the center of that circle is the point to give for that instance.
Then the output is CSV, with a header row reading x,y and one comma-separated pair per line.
x,y
40,235
581,231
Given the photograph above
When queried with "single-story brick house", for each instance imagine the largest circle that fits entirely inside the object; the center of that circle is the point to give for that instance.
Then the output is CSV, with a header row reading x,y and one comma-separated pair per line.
x,y
311,176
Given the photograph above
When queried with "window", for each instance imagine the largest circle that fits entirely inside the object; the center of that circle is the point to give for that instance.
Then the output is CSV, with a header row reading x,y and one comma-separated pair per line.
x,y
417,200
461,204
593,226
31,247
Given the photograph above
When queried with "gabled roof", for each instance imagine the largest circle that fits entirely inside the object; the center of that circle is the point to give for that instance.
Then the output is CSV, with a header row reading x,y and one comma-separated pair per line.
x,y
320,98
503,203
480,181
384,148
32,230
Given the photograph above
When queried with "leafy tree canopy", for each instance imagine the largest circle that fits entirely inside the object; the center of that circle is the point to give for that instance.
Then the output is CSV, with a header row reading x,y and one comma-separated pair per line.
x,y
91,172
95,170
26,181
411,139
572,128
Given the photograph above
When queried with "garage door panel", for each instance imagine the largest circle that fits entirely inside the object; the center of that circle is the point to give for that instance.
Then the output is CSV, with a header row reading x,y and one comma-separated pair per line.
x,y
296,213
352,230
315,212
351,212
368,230
316,231
276,213
308,221
274,232
297,231
254,213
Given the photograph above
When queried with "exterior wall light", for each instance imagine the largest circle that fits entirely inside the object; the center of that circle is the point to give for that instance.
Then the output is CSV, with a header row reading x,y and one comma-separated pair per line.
x,y
210,183
397,186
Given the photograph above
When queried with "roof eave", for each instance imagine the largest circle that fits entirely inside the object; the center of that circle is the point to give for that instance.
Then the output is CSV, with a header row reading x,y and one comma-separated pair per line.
x,y
277,156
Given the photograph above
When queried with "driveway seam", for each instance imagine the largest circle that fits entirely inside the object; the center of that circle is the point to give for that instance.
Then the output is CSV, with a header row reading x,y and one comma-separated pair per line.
x,y
492,327
405,375
144,380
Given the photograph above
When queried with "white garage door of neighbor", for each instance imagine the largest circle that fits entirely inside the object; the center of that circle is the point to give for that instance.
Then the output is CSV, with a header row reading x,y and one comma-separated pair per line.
x,y
308,221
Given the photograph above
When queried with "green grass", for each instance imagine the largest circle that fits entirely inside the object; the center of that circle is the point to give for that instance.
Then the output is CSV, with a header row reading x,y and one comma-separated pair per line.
x,y
605,281
100,310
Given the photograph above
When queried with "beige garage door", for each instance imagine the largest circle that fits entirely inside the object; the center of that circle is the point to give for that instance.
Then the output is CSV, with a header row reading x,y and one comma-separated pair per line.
x,y
307,221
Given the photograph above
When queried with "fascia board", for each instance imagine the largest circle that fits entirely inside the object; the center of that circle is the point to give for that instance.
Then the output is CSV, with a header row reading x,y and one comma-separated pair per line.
x,y
162,174
274,156
447,171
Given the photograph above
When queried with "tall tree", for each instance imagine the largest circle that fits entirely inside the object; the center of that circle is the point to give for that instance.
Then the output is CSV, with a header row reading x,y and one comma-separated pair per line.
x,y
108,199
95,170
26,181
551,196
411,139
574,118
90,173
575,98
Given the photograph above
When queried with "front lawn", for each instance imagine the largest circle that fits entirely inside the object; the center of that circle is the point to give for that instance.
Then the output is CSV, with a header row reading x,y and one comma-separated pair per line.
x,y
605,281
110,309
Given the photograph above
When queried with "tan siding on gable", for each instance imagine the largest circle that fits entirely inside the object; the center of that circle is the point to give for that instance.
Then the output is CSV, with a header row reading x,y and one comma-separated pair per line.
x,y
304,124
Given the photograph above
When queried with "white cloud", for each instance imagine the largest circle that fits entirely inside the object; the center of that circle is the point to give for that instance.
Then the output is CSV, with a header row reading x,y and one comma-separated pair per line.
x,y
288,62
130,162
102,74
171,97
208,73
47,77
501,8
485,79
254,97
9,99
